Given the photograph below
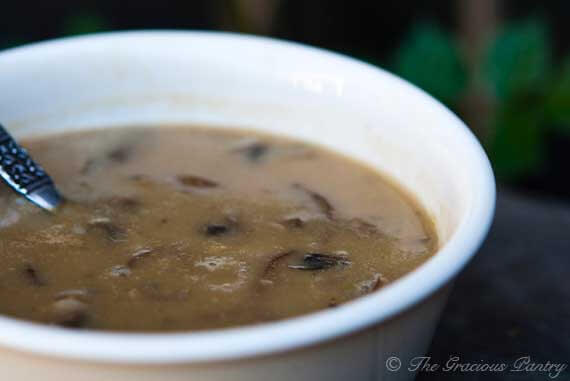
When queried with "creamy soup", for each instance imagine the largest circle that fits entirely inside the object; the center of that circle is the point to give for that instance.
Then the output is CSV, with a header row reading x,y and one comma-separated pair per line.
x,y
188,228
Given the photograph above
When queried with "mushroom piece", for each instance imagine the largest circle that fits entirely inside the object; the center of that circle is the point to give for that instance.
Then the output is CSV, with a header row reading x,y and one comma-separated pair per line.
x,y
70,313
318,261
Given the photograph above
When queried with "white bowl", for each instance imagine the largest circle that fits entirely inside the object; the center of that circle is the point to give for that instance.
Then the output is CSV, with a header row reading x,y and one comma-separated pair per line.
x,y
285,88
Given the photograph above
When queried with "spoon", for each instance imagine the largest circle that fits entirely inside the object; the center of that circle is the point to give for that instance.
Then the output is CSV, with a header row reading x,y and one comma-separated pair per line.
x,y
20,172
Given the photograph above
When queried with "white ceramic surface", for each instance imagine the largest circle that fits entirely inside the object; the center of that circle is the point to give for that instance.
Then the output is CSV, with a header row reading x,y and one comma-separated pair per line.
x,y
243,81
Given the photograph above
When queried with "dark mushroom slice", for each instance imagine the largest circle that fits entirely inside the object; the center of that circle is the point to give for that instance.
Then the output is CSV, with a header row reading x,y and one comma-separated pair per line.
x,y
217,229
138,177
363,227
196,181
32,276
274,261
319,261
111,231
118,155
293,222
321,201
121,154
254,152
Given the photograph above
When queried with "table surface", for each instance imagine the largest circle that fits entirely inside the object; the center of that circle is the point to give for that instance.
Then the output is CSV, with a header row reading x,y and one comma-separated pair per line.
x,y
513,299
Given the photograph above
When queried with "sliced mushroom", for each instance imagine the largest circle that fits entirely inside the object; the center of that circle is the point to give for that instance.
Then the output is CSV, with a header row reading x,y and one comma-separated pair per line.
x,y
228,225
363,227
318,261
293,222
111,231
274,261
121,154
254,151
216,229
373,284
120,271
32,275
138,255
196,181
70,313
321,201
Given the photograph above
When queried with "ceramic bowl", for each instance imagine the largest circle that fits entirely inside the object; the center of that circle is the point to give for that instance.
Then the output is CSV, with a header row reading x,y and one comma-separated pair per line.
x,y
213,79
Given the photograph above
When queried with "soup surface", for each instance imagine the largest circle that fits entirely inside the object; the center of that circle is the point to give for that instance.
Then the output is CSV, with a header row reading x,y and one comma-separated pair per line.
x,y
178,228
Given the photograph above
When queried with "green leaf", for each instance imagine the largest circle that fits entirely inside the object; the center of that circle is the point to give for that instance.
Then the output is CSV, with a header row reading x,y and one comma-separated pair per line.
x,y
83,23
558,100
518,59
516,148
428,57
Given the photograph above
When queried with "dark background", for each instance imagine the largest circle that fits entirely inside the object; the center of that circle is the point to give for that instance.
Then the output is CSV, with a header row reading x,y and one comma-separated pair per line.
x,y
503,66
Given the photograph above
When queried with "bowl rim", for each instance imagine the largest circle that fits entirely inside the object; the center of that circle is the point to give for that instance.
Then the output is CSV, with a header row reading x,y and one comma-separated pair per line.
x,y
288,334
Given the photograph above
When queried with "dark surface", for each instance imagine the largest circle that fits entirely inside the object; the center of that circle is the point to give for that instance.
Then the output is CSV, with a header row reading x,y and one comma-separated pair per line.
x,y
513,300
370,29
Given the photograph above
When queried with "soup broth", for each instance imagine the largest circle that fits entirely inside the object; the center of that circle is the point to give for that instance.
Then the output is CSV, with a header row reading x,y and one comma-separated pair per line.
x,y
189,228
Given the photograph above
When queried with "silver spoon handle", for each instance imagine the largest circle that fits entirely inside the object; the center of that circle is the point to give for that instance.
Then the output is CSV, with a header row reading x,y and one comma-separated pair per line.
x,y
25,176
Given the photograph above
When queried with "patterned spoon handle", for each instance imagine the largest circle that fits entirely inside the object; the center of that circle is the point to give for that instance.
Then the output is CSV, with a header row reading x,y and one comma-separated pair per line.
x,y
26,177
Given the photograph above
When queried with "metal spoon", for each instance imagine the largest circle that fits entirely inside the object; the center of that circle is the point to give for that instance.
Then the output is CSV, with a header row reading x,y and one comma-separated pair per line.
x,y
26,177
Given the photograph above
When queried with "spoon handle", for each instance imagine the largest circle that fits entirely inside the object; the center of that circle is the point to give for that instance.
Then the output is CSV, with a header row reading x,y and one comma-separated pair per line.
x,y
25,176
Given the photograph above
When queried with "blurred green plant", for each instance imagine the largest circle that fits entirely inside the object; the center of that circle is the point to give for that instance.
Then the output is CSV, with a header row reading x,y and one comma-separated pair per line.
x,y
84,22
429,58
530,95
518,60
558,98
